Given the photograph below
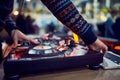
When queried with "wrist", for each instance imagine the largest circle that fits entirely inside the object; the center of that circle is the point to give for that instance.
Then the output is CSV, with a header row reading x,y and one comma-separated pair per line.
x,y
13,32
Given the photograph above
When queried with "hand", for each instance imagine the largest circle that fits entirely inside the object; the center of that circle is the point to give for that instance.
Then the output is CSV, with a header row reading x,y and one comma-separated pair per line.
x,y
98,46
47,35
18,35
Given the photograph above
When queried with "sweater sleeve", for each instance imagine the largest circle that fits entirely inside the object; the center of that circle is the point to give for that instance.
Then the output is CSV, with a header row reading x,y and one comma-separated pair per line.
x,y
9,24
2,23
66,12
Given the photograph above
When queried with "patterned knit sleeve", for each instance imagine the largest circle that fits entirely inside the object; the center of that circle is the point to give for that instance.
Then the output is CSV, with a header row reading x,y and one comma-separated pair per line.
x,y
66,12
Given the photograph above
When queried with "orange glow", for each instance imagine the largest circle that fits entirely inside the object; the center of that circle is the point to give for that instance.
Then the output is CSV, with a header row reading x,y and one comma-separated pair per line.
x,y
117,47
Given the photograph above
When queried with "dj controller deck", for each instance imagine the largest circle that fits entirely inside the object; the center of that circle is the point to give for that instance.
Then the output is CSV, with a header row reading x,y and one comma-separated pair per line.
x,y
50,54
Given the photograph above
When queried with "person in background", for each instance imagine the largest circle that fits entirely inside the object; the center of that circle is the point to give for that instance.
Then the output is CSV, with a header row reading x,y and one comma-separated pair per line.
x,y
65,11
108,24
21,23
29,25
116,28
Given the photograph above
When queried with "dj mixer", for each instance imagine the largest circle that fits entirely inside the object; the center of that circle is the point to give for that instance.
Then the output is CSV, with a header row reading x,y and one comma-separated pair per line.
x,y
50,54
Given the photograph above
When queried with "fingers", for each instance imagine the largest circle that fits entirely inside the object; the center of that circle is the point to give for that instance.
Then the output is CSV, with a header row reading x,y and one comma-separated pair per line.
x,y
104,50
101,50
98,46
33,41
18,35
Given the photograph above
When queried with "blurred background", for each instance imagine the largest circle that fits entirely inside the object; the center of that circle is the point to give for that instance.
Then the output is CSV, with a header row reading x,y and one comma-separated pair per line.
x,y
34,18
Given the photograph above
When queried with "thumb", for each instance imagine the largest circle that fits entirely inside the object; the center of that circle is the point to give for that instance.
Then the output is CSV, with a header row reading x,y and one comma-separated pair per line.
x,y
105,50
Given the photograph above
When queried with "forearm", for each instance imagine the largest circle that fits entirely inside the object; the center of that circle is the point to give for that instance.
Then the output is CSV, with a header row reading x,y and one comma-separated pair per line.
x,y
67,13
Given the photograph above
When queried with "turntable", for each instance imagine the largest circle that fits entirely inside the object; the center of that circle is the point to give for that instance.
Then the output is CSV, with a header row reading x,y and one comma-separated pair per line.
x,y
50,55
